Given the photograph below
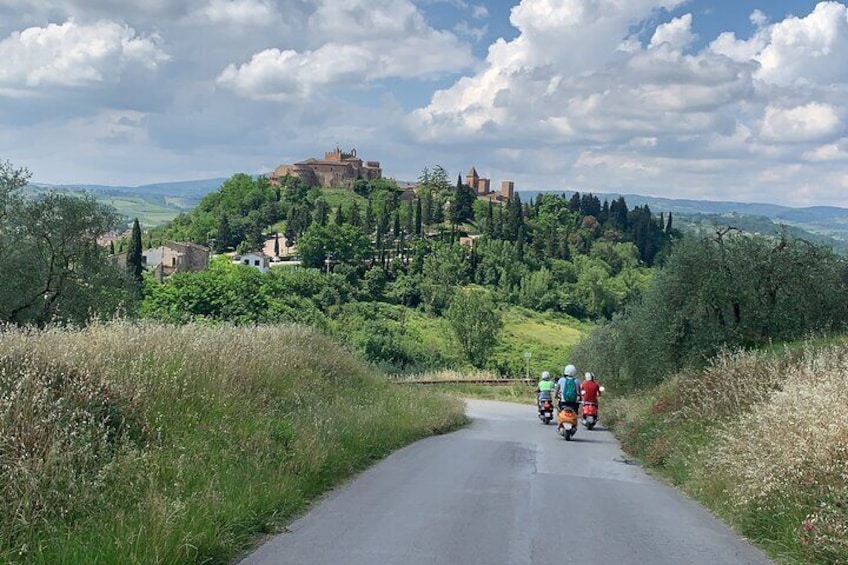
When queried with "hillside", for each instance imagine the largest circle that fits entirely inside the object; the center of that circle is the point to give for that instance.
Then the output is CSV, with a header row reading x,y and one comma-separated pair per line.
x,y
153,204
825,224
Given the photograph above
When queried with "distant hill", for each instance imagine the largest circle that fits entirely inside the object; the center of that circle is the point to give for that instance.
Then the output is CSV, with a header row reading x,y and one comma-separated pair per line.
x,y
828,224
153,204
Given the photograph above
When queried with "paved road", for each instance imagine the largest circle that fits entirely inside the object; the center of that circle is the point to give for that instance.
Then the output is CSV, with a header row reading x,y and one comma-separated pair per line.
x,y
495,493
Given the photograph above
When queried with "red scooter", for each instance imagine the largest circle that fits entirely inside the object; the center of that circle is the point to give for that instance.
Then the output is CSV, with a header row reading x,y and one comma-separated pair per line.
x,y
546,410
589,414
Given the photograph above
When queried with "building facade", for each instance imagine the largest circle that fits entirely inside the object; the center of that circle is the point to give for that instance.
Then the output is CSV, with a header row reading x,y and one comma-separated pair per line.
x,y
482,187
337,169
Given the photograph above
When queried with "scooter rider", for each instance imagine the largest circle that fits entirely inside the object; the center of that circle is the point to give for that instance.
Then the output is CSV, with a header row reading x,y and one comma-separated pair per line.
x,y
568,389
544,388
589,389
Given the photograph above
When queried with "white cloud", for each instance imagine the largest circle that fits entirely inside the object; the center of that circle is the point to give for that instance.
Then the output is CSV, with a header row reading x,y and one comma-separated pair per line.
x,y
72,54
830,152
677,34
479,11
806,50
811,122
373,39
240,12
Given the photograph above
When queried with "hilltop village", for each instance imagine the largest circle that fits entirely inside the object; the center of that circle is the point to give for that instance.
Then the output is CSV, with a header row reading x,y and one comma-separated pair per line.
x,y
340,169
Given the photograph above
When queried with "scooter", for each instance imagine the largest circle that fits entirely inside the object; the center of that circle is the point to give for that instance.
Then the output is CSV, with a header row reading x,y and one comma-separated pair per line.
x,y
567,423
589,413
546,410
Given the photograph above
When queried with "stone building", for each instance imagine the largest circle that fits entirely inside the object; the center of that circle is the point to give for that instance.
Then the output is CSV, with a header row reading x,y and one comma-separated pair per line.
x,y
482,187
169,258
336,170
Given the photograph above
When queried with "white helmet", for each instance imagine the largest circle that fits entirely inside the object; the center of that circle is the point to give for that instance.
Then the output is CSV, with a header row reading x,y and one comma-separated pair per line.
x,y
589,376
570,370
545,375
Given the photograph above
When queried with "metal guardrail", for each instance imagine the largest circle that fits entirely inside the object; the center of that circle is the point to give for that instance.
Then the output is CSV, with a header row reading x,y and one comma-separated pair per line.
x,y
493,382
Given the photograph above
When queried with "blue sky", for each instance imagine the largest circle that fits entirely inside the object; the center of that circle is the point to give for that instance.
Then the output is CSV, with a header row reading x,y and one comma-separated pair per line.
x,y
717,100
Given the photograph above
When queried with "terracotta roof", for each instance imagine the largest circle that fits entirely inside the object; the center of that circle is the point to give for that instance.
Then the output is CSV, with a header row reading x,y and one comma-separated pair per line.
x,y
473,172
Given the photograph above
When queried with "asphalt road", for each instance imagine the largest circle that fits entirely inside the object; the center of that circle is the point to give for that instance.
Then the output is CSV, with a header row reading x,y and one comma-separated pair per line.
x,y
507,490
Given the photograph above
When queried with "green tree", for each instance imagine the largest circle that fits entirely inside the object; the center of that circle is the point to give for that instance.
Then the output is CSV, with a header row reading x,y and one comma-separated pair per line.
x,y
51,267
346,244
135,265
418,225
224,239
475,322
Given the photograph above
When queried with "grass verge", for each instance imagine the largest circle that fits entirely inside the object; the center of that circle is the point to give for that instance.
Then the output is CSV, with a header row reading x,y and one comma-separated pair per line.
x,y
126,443
760,438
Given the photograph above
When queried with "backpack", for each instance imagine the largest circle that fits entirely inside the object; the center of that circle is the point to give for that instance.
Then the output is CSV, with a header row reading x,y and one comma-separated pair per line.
x,y
569,390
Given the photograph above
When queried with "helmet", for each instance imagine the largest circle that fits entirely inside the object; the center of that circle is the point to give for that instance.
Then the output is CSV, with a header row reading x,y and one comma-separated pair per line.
x,y
589,376
545,375
570,371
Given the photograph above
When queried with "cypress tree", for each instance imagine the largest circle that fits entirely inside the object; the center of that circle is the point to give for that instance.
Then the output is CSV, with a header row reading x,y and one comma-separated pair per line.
x,y
134,254
668,224
339,215
277,244
354,217
418,226
368,223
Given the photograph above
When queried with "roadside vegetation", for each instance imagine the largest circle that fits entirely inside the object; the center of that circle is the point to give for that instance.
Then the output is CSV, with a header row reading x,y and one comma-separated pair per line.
x,y
702,391
760,438
142,443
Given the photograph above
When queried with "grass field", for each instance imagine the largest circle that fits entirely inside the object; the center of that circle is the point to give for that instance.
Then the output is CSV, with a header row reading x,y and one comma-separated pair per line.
x,y
149,214
140,443
344,197
549,339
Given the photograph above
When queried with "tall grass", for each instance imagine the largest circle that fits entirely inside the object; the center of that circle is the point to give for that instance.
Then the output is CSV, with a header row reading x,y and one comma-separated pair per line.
x,y
759,437
126,443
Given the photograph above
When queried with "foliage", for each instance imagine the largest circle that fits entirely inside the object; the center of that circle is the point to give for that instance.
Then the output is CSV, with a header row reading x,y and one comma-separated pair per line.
x,y
232,294
342,244
51,268
475,322
732,290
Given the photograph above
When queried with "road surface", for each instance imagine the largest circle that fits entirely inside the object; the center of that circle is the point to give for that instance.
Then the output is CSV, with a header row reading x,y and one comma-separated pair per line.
x,y
506,490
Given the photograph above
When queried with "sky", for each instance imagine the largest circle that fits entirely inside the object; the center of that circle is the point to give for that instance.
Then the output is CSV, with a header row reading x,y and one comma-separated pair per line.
x,y
735,100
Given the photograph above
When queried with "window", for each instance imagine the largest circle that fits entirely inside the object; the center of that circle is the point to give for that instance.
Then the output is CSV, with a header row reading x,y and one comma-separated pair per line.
x,y
256,262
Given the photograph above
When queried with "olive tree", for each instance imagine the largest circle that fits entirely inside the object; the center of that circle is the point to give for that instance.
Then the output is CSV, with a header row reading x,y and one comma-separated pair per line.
x,y
51,267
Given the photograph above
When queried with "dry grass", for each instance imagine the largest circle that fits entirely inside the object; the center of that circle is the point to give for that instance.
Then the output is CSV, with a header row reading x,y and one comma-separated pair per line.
x,y
762,439
140,443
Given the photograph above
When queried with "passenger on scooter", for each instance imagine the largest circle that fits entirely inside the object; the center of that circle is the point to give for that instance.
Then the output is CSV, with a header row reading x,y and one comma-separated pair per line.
x,y
568,389
544,388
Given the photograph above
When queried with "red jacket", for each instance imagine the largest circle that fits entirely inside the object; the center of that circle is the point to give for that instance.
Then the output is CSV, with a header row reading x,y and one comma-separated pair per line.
x,y
590,390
